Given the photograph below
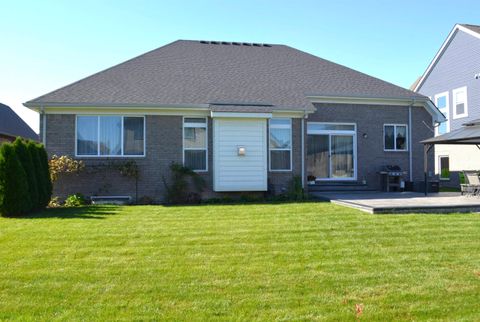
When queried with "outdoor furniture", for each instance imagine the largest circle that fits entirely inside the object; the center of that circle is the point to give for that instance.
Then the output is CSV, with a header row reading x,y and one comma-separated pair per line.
x,y
471,187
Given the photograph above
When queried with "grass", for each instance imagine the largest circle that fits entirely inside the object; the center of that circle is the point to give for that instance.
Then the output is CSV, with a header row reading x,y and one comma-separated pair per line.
x,y
449,189
307,261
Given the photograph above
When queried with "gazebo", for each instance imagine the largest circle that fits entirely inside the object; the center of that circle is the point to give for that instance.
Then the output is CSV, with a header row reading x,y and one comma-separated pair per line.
x,y
468,134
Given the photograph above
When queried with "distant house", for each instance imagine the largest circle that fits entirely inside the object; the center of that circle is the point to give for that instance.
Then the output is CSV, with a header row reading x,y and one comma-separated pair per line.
x,y
11,126
247,117
452,81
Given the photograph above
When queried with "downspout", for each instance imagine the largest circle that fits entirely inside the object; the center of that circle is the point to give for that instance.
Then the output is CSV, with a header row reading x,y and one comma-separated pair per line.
x,y
410,153
44,125
303,151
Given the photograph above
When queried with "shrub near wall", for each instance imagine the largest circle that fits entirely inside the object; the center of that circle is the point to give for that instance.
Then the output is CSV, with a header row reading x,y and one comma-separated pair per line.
x,y
14,196
25,183
43,158
25,158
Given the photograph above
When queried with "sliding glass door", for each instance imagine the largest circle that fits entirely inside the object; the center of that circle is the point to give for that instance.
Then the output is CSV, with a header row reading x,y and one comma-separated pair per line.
x,y
331,151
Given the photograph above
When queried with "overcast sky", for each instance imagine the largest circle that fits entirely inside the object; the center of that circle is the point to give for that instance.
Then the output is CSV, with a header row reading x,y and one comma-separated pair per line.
x,y
49,44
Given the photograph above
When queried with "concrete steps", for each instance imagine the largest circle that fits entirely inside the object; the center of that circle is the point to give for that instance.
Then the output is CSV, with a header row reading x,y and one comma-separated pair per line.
x,y
338,187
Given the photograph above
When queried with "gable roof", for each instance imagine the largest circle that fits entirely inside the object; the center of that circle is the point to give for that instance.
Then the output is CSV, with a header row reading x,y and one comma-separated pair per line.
x,y
472,30
188,73
12,125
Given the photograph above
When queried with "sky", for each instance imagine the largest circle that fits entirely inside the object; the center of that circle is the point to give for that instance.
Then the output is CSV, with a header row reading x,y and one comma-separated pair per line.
x,y
49,44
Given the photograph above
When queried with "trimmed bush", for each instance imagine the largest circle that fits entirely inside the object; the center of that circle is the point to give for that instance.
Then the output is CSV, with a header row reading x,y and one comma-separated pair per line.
x,y
75,200
14,195
41,182
42,153
26,160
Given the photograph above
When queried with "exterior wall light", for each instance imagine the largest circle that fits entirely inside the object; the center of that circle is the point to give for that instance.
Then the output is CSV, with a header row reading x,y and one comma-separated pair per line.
x,y
241,151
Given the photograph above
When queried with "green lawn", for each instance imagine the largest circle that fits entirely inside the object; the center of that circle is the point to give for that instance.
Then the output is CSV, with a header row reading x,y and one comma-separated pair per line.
x,y
308,261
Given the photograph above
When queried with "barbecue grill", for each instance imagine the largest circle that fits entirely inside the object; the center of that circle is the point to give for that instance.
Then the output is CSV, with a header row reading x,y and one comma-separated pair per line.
x,y
391,178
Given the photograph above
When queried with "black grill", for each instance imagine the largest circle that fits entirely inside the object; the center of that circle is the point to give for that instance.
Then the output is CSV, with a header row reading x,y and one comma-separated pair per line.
x,y
391,176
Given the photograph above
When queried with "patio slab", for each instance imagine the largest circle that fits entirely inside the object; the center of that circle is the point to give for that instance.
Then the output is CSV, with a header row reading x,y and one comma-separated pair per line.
x,y
403,202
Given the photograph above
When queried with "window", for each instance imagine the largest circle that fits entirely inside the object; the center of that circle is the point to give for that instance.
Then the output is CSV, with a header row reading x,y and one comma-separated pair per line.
x,y
444,166
110,135
280,143
395,137
195,143
441,100
460,108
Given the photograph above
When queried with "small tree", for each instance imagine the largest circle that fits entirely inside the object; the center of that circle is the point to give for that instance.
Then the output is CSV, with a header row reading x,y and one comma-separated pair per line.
x,y
41,184
26,160
14,197
43,158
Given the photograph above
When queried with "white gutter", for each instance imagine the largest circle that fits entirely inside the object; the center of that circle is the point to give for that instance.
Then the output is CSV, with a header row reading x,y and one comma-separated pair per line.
x,y
303,152
44,126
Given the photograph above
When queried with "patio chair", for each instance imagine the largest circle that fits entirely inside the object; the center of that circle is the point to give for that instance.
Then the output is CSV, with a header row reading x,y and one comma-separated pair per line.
x,y
471,187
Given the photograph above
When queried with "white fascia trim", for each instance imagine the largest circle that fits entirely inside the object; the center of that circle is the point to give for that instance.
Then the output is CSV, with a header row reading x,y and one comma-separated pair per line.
x,y
65,108
242,115
291,114
414,101
128,111
442,49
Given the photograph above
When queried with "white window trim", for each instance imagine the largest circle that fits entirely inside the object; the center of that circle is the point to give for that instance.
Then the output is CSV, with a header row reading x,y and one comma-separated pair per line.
x,y
395,138
440,167
446,108
98,155
195,125
454,103
270,149
353,133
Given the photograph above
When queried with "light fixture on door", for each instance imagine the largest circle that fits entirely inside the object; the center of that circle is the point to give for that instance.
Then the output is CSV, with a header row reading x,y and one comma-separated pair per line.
x,y
241,151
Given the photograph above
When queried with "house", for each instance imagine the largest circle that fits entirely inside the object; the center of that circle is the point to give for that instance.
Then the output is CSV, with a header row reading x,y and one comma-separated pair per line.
x,y
246,116
12,126
452,81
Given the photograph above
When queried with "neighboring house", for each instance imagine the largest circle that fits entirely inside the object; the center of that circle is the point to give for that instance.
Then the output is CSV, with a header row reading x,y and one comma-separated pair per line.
x,y
452,81
247,117
12,126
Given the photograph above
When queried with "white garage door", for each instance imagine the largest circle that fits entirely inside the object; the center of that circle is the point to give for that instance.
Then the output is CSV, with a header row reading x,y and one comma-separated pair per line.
x,y
232,170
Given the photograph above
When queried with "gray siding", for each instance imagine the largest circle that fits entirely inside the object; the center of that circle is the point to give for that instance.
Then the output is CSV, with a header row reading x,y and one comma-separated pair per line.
x,y
456,68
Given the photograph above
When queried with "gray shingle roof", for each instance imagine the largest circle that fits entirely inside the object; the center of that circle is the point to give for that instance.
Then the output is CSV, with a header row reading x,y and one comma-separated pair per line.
x,y
471,27
12,125
195,72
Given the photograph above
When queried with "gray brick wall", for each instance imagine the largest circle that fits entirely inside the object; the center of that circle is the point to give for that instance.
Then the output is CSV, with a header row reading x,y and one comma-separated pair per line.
x,y
370,119
163,146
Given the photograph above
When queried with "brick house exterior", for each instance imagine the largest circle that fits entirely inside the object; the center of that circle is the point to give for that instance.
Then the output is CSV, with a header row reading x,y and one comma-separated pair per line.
x,y
253,85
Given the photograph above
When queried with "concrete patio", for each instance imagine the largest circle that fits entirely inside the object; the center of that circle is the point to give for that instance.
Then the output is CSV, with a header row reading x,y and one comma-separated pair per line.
x,y
402,202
